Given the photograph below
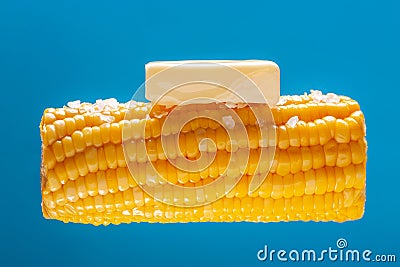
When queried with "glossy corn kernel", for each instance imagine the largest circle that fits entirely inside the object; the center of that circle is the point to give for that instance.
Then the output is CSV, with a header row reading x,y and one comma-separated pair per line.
x,y
318,170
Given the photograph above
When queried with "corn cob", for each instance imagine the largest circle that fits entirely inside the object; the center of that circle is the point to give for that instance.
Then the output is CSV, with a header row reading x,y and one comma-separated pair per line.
x,y
317,173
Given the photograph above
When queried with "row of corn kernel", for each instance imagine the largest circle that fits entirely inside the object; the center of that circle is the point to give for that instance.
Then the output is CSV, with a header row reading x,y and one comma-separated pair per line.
x,y
76,135
284,162
312,182
295,159
114,209
135,110
319,132
69,146
57,123
312,111
62,121
291,160
91,184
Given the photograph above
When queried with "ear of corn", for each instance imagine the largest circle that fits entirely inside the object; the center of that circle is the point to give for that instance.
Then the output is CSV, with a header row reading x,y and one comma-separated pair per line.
x,y
318,171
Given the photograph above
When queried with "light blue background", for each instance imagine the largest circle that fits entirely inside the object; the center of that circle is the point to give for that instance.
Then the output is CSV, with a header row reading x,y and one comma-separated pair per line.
x,y
52,52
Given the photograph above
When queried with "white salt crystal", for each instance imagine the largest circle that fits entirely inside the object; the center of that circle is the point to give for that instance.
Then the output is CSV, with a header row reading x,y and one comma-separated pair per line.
x,y
281,101
292,121
332,98
106,118
229,122
74,104
316,95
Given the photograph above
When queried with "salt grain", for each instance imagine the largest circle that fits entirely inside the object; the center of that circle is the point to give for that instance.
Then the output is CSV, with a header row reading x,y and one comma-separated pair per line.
x,y
74,104
229,122
292,121
106,118
282,101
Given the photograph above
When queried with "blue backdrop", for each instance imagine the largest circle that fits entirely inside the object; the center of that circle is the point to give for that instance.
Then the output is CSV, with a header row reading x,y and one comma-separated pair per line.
x,y
52,52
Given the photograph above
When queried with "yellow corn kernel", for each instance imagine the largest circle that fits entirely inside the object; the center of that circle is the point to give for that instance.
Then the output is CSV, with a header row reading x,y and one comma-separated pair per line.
x,y
61,128
283,137
51,134
277,186
318,156
294,137
307,159
344,155
288,186
87,136
71,169
340,180
112,182
59,197
53,183
283,163
78,141
89,205
119,201
331,124
68,146
48,200
350,175
102,182
81,164
115,133
70,125
96,136
330,173
61,173
101,157
331,153
310,182
88,118
360,176
58,151
128,199
321,181
138,196
299,184
191,145
105,133
48,117
323,131
91,159
81,187
304,133
109,203
295,159
242,188
122,178
59,113
313,132
49,158
308,203
357,153
160,152
70,191
342,133
99,203
110,155
79,121
266,187
253,134
91,184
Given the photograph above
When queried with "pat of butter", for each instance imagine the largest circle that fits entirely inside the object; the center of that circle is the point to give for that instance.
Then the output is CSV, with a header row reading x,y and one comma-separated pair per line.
x,y
205,81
